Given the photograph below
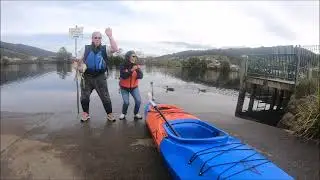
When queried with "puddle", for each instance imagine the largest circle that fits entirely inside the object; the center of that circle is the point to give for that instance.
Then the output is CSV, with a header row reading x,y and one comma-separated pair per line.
x,y
148,142
38,136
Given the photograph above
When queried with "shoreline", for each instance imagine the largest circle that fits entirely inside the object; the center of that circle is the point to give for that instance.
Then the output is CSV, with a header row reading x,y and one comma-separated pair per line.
x,y
34,62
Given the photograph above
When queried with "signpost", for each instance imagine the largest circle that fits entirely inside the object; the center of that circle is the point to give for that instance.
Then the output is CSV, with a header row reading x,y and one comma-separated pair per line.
x,y
76,33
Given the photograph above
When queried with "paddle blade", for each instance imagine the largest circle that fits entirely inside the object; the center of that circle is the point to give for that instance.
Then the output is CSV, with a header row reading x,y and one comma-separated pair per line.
x,y
150,99
149,96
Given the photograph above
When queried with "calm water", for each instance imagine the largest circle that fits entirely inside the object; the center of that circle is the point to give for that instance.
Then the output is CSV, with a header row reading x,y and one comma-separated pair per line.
x,y
51,88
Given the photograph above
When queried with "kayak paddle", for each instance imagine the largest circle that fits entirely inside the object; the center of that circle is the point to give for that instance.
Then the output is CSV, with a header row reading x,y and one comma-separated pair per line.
x,y
154,105
151,83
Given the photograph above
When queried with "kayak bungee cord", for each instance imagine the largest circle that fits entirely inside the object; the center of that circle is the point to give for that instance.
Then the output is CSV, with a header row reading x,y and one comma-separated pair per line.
x,y
222,152
247,169
202,170
234,164
198,153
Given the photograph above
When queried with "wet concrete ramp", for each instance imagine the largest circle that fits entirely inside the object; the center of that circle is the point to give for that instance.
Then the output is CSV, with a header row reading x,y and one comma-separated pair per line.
x,y
63,148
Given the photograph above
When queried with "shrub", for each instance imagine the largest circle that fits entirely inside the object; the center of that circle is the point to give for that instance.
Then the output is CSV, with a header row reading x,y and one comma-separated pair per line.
x,y
307,120
306,87
225,66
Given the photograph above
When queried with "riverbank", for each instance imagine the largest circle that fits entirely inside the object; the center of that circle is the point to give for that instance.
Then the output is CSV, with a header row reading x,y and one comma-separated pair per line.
x,y
302,114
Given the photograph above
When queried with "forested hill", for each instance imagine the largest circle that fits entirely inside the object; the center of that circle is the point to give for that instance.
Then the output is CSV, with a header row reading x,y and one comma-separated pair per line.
x,y
231,52
18,50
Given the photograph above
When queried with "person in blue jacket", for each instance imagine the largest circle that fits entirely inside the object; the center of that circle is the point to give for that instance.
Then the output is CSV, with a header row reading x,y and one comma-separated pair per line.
x,y
95,60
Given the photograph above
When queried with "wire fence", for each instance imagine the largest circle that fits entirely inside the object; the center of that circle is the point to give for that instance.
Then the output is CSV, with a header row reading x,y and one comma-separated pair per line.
x,y
289,63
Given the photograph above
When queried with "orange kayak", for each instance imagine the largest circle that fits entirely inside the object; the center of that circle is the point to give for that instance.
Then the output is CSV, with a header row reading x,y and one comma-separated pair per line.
x,y
199,150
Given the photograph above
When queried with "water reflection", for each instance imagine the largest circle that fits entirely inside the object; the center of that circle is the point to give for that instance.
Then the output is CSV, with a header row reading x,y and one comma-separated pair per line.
x,y
23,72
63,69
209,77
56,80
13,73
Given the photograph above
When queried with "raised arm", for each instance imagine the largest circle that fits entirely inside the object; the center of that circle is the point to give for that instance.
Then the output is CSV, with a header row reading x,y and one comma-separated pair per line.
x,y
114,46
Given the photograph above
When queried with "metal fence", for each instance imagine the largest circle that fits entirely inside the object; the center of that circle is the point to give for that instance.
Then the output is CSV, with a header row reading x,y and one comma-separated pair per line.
x,y
309,62
289,63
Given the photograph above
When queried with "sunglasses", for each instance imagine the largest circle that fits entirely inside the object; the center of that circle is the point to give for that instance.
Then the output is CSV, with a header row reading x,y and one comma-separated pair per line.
x,y
97,37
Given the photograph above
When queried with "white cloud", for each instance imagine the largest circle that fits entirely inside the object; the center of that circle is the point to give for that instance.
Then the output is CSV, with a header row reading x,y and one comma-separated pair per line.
x,y
141,24
222,23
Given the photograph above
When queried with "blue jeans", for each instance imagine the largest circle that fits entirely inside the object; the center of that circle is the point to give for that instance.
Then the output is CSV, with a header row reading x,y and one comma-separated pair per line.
x,y
125,96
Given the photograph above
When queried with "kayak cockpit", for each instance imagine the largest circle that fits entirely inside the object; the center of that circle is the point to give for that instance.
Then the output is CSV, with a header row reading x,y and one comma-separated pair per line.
x,y
195,131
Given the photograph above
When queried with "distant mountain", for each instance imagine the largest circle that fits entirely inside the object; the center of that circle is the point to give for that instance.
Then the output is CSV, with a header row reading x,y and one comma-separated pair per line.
x,y
13,54
23,51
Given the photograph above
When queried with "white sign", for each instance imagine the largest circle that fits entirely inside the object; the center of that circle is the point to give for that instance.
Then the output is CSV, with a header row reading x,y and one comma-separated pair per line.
x,y
76,32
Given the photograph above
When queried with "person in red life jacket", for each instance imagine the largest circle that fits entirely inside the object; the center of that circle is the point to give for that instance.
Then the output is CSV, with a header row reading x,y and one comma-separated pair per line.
x,y
130,73
93,60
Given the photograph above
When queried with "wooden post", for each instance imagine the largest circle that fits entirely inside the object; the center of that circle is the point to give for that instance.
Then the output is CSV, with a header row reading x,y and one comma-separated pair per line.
x,y
274,97
287,95
252,97
242,90
279,105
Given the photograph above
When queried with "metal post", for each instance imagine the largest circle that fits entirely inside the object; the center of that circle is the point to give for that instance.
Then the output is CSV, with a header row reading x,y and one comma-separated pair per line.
x,y
76,33
242,90
297,58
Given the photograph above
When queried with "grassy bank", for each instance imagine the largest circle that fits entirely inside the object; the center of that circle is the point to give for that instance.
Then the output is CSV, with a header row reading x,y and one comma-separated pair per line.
x,y
303,112
307,118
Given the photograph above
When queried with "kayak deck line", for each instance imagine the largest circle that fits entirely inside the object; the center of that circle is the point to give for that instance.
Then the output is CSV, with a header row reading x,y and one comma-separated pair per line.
x,y
244,170
234,163
194,156
244,160
221,153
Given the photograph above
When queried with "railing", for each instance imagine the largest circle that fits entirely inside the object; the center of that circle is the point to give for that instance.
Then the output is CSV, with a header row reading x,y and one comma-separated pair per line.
x,y
289,63
309,62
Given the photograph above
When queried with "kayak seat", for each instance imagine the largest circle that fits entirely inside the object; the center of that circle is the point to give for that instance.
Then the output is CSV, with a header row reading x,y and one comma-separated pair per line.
x,y
195,131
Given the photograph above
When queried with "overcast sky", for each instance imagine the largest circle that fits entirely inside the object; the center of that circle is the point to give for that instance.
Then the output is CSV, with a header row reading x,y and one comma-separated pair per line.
x,y
163,27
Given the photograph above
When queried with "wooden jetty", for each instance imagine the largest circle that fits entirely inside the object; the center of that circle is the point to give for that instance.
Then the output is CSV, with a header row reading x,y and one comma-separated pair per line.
x,y
268,80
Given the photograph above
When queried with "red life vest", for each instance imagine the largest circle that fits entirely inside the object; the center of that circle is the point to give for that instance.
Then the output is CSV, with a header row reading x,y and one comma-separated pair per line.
x,y
131,82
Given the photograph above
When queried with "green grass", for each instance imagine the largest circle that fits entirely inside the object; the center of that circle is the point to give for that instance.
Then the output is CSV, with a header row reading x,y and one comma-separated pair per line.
x,y
307,119
307,124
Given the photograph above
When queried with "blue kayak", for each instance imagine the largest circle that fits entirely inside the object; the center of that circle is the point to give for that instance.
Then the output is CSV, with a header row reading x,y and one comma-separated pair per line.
x,y
194,149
